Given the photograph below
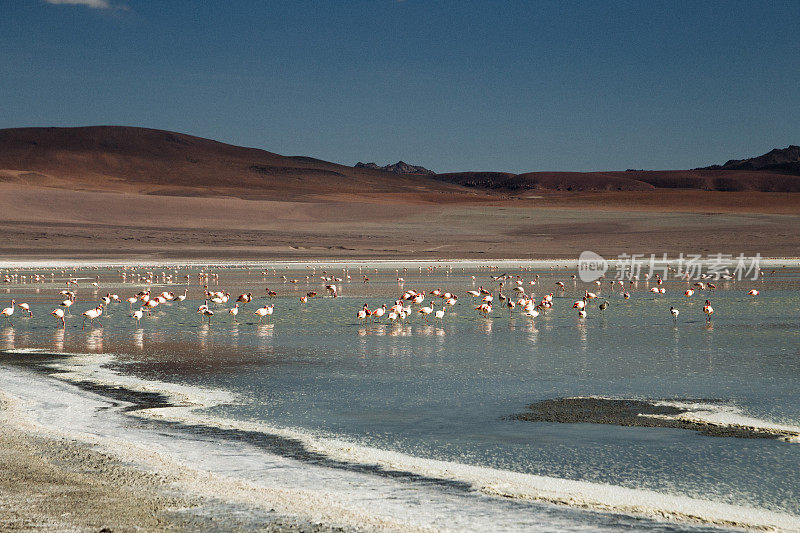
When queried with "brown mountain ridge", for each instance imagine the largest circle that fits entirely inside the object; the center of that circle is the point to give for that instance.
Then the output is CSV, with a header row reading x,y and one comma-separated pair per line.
x,y
142,160
148,161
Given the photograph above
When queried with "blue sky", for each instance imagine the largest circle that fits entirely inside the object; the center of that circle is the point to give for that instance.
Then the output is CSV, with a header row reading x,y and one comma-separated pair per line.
x,y
461,85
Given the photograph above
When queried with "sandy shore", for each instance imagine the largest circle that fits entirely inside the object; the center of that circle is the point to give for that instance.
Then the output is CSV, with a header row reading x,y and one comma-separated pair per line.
x,y
61,485
49,483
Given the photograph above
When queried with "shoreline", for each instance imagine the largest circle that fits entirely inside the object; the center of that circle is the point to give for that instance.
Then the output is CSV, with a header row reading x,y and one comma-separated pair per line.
x,y
62,484
53,481
124,261
318,509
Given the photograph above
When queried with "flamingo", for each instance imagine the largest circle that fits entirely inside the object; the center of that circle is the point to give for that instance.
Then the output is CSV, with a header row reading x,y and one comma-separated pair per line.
x,y
234,311
425,311
245,298
626,295
379,311
580,304
603,306
582,314
150,305
708,310
59,314
181,297
674,312
66,304
751,292
207,313
25,307
8,311
688,293
332,289
474,294
92,315
439,314
264,311
484,309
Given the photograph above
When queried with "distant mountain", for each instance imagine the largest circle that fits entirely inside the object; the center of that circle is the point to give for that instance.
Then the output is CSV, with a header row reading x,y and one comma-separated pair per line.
x,y
780,159
148,161
156,162
775,171
398,168
631,180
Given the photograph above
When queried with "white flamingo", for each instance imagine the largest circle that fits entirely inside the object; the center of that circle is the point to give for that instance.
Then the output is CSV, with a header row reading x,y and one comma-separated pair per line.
x,y
66,304
264,311
708,310
8,311
379,312
59,314
92,315
425,311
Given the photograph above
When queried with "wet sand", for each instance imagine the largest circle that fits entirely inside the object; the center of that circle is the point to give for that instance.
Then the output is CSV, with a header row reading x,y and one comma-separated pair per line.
x,y
640,413
50,483
59,485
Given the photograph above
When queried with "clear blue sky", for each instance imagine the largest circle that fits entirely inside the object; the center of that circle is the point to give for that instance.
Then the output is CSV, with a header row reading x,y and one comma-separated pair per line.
x,y
458,85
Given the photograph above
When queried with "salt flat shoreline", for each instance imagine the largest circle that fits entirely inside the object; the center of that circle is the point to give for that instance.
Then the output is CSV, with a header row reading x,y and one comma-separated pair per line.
x,y
139,488
572,263
55,482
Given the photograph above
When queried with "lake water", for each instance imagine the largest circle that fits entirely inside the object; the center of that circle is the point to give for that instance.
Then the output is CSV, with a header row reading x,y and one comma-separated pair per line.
x,y
413,421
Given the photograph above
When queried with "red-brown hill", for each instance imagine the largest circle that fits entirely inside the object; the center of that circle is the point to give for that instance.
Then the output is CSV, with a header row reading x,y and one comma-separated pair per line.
x,y
141,160
631,180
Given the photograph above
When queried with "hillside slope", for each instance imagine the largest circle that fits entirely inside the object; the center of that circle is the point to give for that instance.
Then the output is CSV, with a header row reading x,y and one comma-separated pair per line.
x,y
141,160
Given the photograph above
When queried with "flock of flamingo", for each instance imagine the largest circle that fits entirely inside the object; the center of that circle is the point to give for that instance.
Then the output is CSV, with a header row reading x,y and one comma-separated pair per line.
x,y
409,303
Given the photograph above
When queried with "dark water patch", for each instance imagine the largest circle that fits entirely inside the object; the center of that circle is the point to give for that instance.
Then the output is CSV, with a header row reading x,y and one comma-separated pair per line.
x,y
641,413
